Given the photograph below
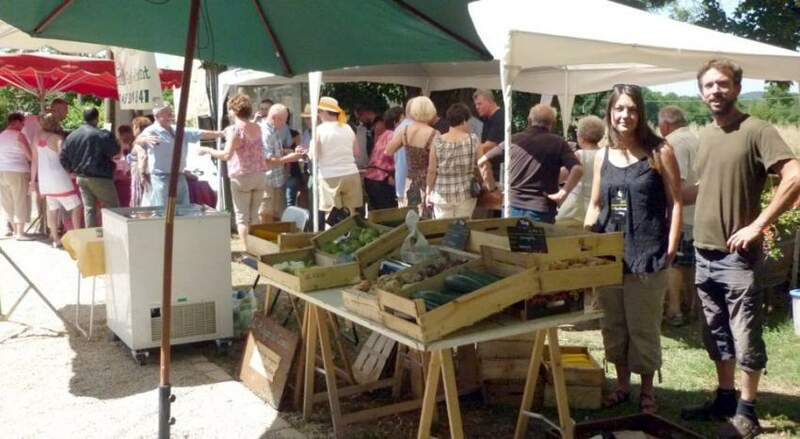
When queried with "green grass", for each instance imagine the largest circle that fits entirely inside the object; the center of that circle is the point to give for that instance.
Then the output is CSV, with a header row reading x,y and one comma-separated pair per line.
x,y
689,377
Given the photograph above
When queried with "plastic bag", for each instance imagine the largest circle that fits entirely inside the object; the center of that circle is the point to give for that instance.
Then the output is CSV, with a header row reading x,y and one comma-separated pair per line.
x,y
415,248
244,302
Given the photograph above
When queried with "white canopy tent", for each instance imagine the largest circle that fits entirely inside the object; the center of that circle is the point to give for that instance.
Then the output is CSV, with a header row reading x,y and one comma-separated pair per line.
x,y
563,81
525,36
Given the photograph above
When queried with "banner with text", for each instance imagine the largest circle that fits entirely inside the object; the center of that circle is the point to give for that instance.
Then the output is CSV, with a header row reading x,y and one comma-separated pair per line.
x,y
138,84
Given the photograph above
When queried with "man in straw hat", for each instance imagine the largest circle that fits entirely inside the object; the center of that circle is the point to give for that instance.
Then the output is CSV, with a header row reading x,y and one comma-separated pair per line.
x,y
159,141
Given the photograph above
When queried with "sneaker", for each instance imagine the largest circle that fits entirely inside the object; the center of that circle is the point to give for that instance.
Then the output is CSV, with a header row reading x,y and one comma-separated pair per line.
x,y
739,426
709,411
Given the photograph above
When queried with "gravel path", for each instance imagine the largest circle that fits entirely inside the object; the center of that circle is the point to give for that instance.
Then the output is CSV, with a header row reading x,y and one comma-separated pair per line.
x,y
55,383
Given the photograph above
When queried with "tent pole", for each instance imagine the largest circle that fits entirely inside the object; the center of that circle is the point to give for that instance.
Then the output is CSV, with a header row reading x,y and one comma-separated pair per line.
x,y
165,389
314,84
505,84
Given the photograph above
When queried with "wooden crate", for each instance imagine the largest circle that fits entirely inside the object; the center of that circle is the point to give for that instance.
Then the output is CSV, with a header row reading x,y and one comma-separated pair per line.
x,y
579,397
409,316
365,255
391,217
317,277
562,242
388,245
276,237
366,305
591,374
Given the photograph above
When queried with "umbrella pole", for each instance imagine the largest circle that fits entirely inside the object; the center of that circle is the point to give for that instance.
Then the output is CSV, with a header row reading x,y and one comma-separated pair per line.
x,y
165,396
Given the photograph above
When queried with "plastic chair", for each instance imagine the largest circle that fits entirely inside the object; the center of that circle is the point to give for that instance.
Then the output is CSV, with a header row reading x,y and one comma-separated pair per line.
x,y
297,215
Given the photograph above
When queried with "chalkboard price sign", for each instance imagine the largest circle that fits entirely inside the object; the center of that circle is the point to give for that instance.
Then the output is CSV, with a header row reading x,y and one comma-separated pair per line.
x,y
526,237
457,235
337,215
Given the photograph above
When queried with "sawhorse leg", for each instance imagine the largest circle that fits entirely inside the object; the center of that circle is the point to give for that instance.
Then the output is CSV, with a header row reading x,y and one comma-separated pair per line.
x,y
566,424
441,363
31,286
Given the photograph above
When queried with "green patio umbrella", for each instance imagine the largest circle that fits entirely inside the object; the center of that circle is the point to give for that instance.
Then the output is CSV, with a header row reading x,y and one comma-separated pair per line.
x,y
285,37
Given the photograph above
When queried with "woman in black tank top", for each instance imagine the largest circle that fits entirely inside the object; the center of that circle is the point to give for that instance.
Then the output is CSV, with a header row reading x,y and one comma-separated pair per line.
x,y
636,191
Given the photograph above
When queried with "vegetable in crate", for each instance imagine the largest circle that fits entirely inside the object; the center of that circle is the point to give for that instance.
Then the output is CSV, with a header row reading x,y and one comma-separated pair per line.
x,y
293,267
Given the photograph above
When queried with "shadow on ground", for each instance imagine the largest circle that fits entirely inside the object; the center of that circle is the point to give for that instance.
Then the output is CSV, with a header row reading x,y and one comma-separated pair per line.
x,y
105,369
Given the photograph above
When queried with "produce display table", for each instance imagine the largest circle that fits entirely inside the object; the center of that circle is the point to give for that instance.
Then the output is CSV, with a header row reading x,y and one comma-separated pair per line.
x,y
315,330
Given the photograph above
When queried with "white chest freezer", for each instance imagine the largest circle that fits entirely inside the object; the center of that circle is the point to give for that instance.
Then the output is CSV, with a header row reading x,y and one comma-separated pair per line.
x,y
201,275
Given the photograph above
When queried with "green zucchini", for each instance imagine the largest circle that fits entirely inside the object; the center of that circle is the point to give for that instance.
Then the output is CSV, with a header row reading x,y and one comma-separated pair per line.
x,y
484,278
462,284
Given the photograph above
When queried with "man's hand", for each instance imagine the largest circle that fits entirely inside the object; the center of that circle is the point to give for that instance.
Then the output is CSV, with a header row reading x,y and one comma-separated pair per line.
x,y
558,197
203,150
743,237
390,180
149,140
32,187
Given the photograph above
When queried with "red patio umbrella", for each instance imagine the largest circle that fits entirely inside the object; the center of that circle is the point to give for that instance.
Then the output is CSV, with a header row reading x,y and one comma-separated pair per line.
x,y
44,74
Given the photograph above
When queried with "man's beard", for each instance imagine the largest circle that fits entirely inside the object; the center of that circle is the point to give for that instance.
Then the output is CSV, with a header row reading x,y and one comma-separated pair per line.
x,y
727,107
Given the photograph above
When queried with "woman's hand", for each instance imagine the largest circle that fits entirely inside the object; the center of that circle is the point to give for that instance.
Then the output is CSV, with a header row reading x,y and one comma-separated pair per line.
x,y
672,253
203,150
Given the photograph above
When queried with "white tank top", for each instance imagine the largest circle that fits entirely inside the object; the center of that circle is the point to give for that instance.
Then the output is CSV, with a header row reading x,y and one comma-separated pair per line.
x,y
336,150
12,152
54,181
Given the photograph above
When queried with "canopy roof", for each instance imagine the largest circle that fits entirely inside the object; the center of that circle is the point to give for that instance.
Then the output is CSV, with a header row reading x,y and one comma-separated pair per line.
x,y
42,74
525,35
447,76
285,36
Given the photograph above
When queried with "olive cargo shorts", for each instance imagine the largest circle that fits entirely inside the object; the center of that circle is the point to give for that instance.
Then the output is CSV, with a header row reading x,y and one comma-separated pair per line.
x,y
631,324
732,306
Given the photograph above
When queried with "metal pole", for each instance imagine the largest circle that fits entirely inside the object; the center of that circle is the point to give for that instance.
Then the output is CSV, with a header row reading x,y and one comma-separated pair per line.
x,y
165,397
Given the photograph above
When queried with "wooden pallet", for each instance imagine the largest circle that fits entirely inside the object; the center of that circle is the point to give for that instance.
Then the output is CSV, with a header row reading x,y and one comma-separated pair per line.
x,y
373,357
317,277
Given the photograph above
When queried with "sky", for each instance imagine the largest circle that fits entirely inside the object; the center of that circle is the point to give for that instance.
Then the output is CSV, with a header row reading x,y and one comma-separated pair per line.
x,y
689,88
683,88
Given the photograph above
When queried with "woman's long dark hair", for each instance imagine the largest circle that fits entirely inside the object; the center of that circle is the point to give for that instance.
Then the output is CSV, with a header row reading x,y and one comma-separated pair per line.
x,y
644,134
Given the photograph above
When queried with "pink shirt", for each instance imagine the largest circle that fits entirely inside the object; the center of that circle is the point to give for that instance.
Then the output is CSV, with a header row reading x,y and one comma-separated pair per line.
x,y
248,158
381,165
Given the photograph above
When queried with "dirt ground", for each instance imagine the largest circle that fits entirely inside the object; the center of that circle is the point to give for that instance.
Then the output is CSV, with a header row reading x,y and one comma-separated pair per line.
x,y
55,383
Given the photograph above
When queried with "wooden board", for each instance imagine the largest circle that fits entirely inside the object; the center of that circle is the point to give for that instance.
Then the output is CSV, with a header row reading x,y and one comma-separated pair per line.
x,y
267,359
579,397
373,357
391,217
313,278
269,238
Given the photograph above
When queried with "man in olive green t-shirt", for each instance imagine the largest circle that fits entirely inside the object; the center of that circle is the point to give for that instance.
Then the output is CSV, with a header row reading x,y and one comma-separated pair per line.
x,y
736,153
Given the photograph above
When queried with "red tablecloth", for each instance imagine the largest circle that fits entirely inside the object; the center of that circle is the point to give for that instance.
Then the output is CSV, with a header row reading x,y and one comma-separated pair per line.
x,y
200,192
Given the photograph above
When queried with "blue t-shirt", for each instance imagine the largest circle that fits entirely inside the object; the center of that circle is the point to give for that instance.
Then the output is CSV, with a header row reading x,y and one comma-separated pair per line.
x,y
159,156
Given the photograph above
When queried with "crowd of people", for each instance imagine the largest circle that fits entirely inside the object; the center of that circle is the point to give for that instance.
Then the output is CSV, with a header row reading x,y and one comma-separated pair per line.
x,y
620,176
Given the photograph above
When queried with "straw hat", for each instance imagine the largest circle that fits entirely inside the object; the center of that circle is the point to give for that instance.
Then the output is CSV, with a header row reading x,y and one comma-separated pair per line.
x,y
327,103
306,111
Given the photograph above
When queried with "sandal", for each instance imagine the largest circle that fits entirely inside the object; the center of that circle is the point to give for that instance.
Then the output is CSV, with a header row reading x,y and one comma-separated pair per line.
x,y
647,403
616,398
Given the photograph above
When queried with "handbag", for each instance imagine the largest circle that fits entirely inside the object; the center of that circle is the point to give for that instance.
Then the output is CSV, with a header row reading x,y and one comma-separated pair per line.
x,y
475,187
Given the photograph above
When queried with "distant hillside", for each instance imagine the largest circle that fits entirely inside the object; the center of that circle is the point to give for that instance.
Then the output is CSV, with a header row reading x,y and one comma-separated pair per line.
x,y
752,95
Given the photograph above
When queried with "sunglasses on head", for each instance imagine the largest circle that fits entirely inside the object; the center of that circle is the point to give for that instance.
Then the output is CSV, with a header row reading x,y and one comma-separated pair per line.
x,y
620,87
